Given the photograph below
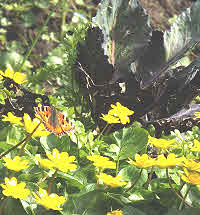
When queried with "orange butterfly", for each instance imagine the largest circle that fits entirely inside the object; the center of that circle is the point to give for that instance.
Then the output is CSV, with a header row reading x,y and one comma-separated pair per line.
x,y
54,121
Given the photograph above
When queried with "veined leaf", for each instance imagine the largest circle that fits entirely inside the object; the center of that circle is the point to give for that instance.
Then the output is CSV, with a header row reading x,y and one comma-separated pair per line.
x,y
184,32
182,36
126,25
130,141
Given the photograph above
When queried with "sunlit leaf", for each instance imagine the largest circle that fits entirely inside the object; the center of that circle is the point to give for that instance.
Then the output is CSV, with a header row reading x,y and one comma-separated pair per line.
x,y
126,25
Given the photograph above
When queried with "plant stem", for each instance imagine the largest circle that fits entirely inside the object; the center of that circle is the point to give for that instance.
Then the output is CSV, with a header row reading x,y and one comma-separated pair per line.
x,y
102,131
99,173
116,199
136,181
179,196
109,128
32,211
113,53
24,140
117,165
183,201
51,182
149,178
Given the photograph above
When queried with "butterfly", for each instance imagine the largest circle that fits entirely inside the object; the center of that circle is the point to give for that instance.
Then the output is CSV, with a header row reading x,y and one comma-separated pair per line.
x,y
54,121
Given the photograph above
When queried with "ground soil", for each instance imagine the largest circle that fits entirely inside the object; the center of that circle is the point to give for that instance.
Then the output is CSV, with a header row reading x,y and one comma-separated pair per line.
x,y
161,10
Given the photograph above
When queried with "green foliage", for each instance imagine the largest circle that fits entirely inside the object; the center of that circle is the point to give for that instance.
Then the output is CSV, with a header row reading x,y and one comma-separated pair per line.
x,y
129,141
10,205
50,70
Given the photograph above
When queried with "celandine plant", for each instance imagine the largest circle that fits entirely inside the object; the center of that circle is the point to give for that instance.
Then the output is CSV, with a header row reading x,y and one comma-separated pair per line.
x,y
50,168
114,175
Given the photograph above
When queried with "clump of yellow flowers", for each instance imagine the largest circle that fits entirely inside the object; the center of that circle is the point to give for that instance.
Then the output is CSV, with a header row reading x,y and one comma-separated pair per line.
x,y
118,114
17,77
15,190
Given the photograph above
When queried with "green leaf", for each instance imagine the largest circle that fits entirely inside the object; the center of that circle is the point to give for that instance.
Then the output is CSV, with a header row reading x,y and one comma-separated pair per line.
x,y
185,29
12,58
89,202
42,4
77,181
130,141
175,177
132,211
4,146
182,36
13,205
173,173
161,173
131,173
29,19
159,184
5,22
193,196
185,211
152,207
28,204
168,198
141,194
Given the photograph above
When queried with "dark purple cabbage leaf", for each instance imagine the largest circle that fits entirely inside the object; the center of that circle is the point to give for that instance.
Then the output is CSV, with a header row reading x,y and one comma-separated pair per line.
x,y
126,24
142,59
182,36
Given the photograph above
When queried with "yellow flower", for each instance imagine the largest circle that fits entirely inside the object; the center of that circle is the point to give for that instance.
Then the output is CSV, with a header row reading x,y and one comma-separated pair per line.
x,y
143,161
116,212
1,73
121,112
192,165
9,73
18,77
169,162
196,147
119,109
30,125
16,164
96,158
111,181
110,119
46,163
61,161
106,164
197,114
102,162
52,201
118,114
190,177
17,191
12,119
161,143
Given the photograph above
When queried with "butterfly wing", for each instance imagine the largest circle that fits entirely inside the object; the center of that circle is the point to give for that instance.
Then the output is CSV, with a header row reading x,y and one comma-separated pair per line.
x,y
54,121
64,123
43,112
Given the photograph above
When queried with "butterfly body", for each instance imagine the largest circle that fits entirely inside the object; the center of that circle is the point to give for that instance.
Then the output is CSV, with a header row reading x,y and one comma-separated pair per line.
x,y
54,121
